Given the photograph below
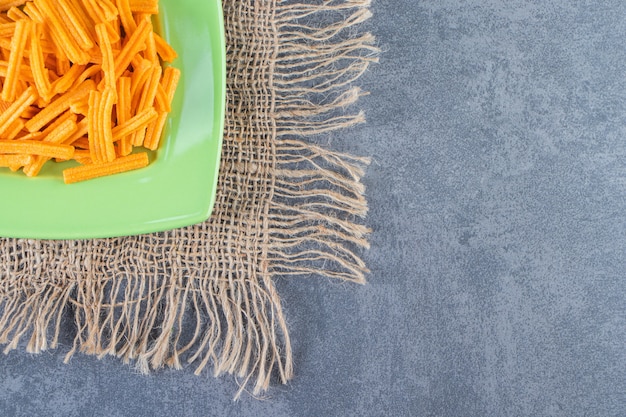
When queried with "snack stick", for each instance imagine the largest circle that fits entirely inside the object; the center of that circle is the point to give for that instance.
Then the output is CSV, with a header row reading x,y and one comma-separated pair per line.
x,y
104,124
108,65
14,111
134,124
59,105
7,4
144,6
16,14
165,51
18,46
37,64
135,44
126,16
14,160
119,165
76,26
30,147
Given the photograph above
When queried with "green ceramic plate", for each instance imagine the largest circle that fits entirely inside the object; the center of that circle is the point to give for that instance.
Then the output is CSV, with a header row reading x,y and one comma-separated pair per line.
x,y
177,189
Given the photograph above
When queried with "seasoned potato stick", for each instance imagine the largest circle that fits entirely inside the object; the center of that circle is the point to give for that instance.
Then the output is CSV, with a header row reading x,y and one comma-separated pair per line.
x,y
30,112
68,79
134,124
75,24
144,6
16,14
14,111
154,132
15,128
123,113
92,126
59,105
37,64
7,161
135,44
80,133
146,100
165,51
161,102
18,46
62,33
104,124
30,147
7,30
108,65
126,16
82,143
58,135
7,4
119,165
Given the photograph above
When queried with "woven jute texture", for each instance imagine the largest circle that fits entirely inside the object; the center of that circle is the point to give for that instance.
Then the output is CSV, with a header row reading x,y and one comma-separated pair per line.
x,y
204,295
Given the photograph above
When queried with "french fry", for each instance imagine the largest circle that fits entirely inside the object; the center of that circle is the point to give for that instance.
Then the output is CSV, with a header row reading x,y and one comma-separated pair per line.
x,y
122,164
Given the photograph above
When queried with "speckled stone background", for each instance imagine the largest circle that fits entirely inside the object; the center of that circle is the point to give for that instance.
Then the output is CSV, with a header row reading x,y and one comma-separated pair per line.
x,y
498,205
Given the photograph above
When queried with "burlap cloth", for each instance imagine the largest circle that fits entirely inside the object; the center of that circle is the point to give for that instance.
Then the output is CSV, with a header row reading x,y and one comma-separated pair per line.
x,y
205,294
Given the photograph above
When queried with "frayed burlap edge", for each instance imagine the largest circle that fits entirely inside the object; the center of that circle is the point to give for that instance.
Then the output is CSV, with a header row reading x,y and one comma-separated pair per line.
x,y
205,294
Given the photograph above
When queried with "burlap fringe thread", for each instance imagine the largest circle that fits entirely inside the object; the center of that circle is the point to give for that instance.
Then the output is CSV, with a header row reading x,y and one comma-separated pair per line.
x,y
308,227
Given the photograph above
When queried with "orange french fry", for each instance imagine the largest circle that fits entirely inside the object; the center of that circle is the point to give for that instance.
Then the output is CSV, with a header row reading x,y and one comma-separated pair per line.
x,y
119,165
18,46
31,147
25,100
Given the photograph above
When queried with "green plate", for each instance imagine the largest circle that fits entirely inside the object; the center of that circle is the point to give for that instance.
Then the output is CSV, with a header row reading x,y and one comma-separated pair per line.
x,y
177,189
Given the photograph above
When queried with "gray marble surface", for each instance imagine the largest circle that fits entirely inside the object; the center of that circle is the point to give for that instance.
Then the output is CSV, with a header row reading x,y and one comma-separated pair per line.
x,y
498,207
